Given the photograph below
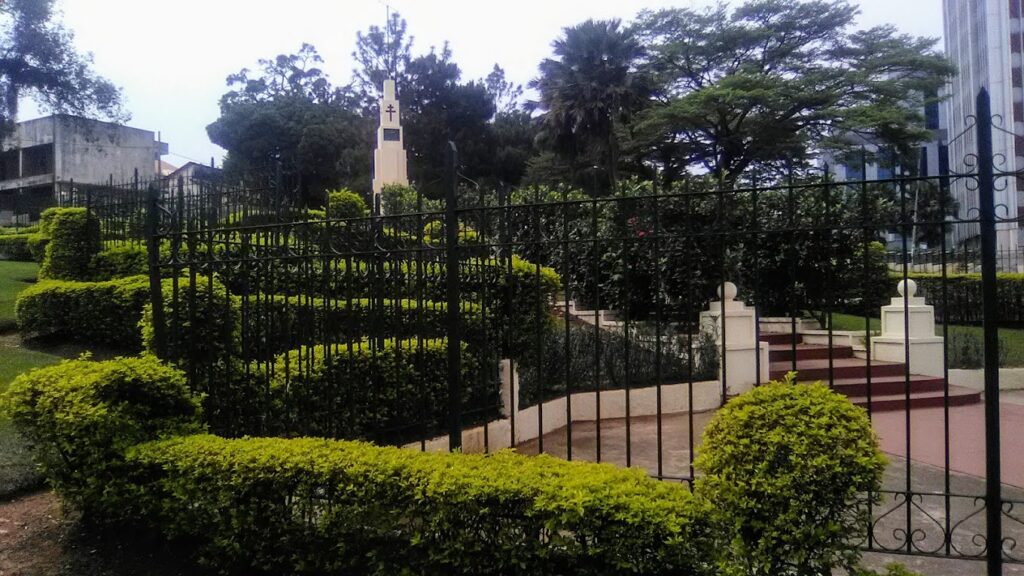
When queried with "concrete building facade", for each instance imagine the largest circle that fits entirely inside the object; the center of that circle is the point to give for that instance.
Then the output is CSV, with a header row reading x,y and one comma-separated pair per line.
x,y
984,41
45,152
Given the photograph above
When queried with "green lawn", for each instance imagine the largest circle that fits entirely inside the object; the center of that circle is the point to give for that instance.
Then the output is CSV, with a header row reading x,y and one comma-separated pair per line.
x,y
14,277
1011,341
16,469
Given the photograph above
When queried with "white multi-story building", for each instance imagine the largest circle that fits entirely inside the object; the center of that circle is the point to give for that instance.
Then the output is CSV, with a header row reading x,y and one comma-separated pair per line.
x,y
984,41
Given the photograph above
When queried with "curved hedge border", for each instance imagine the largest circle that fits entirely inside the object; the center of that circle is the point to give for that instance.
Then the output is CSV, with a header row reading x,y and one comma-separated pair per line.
x,y
308,506
23,247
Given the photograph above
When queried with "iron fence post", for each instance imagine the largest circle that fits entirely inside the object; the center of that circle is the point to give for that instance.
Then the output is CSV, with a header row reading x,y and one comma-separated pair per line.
x,y
453,291
986,202
153,257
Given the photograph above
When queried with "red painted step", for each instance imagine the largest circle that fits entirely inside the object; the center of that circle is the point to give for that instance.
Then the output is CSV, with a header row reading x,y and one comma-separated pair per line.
x,y
812,370
807,352
886,385
774,339
958,396
849,376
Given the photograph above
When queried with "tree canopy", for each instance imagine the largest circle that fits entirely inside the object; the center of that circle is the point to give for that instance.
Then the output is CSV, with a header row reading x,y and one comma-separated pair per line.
x,y
775,80
38,60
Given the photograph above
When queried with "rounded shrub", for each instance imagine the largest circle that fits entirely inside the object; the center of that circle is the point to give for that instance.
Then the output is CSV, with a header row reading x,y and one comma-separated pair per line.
x,y
74,241
81,416
785,469
345,204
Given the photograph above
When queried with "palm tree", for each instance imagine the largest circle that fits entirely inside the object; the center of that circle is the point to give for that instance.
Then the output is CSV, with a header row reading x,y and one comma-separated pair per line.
x,y
587,91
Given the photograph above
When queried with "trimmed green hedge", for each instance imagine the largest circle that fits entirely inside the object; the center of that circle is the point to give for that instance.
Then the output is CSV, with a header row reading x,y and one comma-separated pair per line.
x,y
963,301
275,324
23,247
95,313
74,241
308,506
392,392
81,416
785,468
119,262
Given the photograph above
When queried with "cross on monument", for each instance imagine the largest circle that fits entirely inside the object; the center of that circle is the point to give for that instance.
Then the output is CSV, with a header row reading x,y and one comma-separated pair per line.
x,y
391,111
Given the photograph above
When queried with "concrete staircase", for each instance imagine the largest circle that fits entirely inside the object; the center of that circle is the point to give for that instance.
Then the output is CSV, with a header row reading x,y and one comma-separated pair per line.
x,y
849,375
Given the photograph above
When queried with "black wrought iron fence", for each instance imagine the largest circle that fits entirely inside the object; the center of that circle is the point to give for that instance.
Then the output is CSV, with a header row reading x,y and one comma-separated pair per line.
x,y
606,329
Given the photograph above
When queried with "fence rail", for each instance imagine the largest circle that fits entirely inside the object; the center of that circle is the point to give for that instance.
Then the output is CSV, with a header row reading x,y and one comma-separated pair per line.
x,y
600,328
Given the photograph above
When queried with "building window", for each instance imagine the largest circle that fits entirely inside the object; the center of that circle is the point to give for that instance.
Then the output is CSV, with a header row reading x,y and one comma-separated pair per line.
x,y
37,160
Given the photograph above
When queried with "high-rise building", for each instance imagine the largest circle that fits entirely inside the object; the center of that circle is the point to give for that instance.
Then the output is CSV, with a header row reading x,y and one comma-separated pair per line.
x,y
984,41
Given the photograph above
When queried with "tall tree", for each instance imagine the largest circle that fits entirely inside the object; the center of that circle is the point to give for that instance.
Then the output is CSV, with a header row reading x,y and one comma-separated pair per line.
x,y
588,91
774,80
505,94
438,108
381,54
38,59
288,116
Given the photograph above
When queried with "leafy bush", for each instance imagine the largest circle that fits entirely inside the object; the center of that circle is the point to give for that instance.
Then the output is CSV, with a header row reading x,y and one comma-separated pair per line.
x,y
74,241
602,364
345,204
119,262
81,416
397,199
310,506
965,351
395,391
5,230
94,313
785,467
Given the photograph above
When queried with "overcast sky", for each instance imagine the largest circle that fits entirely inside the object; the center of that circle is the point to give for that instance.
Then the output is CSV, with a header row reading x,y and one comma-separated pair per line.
x,y
171,58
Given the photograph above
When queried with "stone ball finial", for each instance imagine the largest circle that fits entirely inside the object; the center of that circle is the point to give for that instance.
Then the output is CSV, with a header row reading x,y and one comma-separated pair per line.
x,y
729,290
907,288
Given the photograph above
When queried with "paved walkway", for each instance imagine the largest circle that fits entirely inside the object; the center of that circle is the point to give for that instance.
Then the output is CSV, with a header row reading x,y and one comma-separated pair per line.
x,y
931,514
966,438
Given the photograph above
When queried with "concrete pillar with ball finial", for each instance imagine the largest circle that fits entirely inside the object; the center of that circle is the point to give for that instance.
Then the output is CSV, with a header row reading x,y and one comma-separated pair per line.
x,y
909,322
734,326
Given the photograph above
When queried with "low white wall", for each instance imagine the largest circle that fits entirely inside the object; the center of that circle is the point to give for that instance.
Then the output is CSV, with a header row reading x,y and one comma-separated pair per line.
x,y
1009,378
582,407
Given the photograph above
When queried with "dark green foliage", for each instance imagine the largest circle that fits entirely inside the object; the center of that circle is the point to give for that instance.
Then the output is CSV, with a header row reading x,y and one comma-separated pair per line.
x,y
965,351
287,116
275,324
23,247
81,416
74,241
587,92
961,302
201,322
93,313
309,506
593,364
392,391
119,262
345,204
785,468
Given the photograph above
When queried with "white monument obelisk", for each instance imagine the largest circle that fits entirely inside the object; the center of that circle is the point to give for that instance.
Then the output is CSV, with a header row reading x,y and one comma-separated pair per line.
x,y
389,159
